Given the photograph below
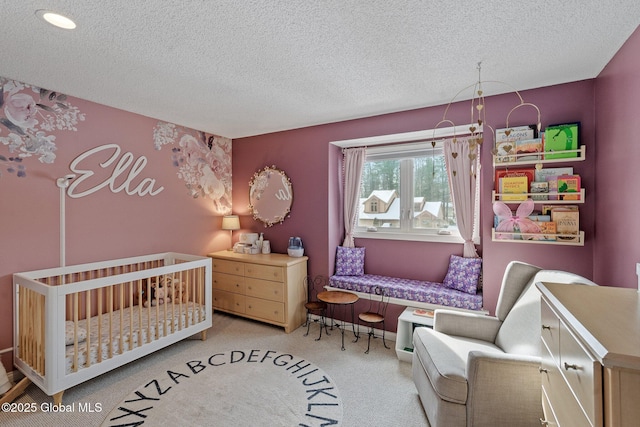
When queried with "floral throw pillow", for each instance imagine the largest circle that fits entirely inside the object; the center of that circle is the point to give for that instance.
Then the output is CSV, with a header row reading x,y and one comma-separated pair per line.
x,y
349,261
463,274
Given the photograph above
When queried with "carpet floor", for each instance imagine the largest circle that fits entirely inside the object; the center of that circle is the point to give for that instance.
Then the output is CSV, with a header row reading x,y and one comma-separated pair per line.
x,y
372,389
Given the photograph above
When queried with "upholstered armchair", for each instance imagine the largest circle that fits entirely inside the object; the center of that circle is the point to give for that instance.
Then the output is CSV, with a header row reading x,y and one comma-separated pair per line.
x,y
475,370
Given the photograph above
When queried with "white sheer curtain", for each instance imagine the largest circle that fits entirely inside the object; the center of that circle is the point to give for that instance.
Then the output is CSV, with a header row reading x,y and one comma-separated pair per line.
x,y
463,182
352,167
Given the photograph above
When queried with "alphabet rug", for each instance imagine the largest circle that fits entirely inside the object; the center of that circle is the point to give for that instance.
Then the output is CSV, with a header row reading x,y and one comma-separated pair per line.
x,y
234,388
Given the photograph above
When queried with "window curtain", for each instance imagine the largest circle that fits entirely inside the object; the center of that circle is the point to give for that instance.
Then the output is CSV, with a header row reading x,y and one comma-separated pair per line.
x,y
462,168
352,168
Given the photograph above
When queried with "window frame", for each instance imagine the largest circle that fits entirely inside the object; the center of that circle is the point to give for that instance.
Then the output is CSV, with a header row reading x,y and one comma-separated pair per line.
x,y
404,154
392,141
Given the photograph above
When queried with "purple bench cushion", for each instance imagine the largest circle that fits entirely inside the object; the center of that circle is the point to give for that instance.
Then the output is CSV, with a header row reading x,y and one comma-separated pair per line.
x,y
408,289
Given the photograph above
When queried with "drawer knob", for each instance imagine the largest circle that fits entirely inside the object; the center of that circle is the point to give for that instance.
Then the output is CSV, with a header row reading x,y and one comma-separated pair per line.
x,y
567,366
543,370
546,327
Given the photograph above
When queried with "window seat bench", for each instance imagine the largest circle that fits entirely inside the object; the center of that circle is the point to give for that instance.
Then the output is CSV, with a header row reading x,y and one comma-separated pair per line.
x,y
408,292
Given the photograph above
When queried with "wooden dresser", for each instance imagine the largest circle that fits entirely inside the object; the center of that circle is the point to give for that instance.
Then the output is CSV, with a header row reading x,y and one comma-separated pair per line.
x,y
264,287
590,355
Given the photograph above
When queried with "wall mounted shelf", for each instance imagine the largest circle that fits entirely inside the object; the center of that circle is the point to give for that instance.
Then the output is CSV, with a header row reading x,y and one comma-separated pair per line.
x,y
578,242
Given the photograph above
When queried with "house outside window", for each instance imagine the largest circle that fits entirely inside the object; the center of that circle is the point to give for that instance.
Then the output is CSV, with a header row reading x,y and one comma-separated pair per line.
x,y
405,194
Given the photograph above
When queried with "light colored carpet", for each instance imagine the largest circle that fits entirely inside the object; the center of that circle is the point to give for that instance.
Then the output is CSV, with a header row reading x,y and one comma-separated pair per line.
x,y
235,388
376,389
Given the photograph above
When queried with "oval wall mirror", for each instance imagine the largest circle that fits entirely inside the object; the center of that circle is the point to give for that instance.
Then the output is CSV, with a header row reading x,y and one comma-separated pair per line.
x,y
270,196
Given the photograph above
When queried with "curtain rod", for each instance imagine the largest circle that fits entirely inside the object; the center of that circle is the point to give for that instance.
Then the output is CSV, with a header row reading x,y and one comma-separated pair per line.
x,y
420,135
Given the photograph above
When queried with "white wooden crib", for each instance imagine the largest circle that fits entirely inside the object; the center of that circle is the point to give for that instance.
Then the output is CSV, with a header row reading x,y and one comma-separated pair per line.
x,y
74,323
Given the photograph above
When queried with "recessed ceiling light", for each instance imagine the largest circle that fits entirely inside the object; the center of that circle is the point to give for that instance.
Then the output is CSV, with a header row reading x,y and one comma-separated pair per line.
x,y
56,19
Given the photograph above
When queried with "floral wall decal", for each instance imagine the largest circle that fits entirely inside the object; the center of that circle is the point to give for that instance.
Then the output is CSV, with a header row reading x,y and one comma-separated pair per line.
x,y
203,162
28,117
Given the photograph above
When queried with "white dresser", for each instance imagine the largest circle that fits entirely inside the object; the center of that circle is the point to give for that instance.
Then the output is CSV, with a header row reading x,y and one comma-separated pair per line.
x,y
590,355
265,287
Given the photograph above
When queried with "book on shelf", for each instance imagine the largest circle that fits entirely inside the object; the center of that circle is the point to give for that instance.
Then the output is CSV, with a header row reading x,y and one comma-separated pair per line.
x,y
505,152
506,138
423,312
547,231
561,138
539,218
546,209
502,173
539,190
542,174
567,224
552,185
529,149
514,188
569,184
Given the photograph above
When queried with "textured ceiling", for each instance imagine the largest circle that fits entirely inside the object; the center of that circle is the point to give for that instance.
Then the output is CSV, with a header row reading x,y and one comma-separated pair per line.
x,y
246,67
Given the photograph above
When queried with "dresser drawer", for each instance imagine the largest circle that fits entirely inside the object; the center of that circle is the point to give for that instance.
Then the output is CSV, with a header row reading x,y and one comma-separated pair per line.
x,y
567,412
273,291
550,331
549,415
266,272
229,267
227,301
229,283
268,310
583,374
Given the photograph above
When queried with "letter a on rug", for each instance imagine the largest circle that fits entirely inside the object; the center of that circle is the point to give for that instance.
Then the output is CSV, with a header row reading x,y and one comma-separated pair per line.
x,y
232,388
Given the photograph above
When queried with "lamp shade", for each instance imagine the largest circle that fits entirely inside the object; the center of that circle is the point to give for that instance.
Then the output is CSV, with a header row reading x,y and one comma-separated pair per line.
x,y
230,222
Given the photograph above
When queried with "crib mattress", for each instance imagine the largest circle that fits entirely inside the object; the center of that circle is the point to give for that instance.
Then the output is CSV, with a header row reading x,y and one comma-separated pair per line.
x,y
147,325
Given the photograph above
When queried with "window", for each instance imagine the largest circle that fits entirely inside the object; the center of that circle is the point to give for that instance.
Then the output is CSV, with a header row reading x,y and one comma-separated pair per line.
x,y
405,193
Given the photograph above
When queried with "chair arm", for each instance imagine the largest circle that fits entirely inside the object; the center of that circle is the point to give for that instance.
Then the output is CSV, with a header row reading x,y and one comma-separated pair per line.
x,y
468,325
503,389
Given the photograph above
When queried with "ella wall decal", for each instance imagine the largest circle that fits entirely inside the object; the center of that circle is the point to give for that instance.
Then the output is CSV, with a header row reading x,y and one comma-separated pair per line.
x,y
33,120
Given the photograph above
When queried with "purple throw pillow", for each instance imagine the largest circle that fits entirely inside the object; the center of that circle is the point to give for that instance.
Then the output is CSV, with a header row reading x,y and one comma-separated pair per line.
x,y
463,274
349,261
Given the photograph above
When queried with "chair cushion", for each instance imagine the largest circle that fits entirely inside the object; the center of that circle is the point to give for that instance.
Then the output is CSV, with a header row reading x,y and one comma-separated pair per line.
x,y
444,359
349,261
463,274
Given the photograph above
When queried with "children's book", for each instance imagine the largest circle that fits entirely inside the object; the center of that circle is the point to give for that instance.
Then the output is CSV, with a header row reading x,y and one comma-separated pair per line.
x,y
516,185
540,189
529,149
561,138
501,173
567,224
506,138
569,184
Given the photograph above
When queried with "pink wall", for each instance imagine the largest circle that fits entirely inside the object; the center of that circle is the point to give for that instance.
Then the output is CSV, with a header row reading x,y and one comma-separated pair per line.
x,y
313,165
618,156
103,225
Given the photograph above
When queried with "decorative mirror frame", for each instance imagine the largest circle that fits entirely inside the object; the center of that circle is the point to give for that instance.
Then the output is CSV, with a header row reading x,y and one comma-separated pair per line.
x,y
284,195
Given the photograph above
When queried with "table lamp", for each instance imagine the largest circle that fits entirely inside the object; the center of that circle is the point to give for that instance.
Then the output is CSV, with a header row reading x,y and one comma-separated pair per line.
x,y
230,222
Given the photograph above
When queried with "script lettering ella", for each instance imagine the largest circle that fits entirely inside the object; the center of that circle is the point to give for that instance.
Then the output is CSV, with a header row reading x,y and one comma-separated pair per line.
x,y
285,192
124,163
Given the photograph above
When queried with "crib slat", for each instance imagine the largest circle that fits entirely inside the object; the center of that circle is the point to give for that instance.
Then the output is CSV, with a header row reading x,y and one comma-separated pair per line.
x,y
110,311
87,316
75,320
100,310
121,310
